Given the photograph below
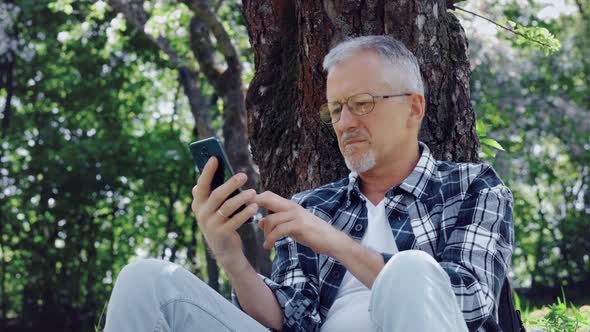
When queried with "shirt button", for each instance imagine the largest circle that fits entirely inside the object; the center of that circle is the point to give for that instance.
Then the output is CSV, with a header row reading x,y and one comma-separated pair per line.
x,y
336,274
358,227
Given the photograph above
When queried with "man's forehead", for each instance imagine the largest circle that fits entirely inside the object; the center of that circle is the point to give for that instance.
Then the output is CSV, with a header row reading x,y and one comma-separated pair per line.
x,y
343,82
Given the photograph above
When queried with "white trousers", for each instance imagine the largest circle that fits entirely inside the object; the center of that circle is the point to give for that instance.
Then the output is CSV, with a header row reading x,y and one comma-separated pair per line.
x,y
412,293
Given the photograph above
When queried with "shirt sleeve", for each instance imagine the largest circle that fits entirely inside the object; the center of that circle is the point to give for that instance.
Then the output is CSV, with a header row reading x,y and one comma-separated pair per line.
x,y
295,285
386,257
479,249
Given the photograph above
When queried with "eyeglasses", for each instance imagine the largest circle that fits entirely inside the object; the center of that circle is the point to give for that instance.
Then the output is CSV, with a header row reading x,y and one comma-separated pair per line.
x,y
360,104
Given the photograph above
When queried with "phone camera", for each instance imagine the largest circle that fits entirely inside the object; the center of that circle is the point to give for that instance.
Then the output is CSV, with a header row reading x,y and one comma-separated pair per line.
x,y
205,153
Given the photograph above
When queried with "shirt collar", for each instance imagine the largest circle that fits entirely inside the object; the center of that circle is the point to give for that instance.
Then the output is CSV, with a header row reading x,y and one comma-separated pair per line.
x,y
416,183
353,187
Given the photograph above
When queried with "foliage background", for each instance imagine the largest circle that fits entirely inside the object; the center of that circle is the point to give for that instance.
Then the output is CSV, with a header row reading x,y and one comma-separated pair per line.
x,y
95,170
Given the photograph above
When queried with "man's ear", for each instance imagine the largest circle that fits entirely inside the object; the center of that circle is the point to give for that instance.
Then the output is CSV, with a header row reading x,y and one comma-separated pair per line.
x,y
417,109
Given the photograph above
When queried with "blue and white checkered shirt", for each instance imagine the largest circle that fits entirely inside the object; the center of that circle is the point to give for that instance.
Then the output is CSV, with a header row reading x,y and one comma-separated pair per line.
x,y
459,213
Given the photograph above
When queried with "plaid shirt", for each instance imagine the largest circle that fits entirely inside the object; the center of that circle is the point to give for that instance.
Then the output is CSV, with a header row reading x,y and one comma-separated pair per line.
x,y
459,213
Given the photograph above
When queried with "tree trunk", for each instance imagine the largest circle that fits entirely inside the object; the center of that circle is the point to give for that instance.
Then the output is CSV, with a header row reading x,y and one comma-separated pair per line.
x,y
93,271
198,103
3,256
293,150
212,271
9,66
227,84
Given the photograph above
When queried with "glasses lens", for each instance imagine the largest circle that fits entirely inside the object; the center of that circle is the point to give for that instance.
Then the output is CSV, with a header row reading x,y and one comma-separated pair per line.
x,y
330,112
361,104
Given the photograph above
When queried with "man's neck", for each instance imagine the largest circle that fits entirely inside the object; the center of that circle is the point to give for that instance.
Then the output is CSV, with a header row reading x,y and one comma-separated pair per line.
x,y
377,181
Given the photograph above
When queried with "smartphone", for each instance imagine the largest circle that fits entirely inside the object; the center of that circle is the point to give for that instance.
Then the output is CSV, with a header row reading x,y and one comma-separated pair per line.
x,y
212,147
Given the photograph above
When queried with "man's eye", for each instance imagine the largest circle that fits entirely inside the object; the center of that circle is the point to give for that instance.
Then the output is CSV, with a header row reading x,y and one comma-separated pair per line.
x,y
359,104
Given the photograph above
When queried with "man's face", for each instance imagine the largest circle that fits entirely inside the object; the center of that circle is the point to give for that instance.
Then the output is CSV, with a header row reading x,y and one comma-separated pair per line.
x,y
375,138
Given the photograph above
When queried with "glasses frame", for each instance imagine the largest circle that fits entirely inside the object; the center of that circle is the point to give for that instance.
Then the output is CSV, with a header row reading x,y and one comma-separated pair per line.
x,y
350,109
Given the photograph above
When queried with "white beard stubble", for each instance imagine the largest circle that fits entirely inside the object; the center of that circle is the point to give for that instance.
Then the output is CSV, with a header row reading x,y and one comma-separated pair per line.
x,y
359,162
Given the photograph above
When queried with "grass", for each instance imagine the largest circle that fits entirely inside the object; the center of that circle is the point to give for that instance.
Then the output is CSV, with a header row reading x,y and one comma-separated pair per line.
x,y
559,316
99,326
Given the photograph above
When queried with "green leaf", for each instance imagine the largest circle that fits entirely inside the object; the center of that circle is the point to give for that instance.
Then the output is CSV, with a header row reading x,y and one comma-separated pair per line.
x,y
488,152
536,37
516,301
480,127
492,142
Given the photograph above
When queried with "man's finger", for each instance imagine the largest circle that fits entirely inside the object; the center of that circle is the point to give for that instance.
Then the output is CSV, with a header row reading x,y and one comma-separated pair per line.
x,y
273,202
221,193
240,218
282,230
230,206
203,188
268,223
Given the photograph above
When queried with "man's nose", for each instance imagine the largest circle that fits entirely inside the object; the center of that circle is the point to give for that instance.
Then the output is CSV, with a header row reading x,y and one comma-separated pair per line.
x,y
347,118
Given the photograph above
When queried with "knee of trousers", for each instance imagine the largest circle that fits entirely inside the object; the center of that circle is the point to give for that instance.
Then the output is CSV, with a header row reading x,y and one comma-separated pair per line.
x,y
142,273
411,275
141,290
149,280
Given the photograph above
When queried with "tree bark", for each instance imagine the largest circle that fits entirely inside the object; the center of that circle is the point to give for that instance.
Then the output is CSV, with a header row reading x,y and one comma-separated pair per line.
x,y
293,150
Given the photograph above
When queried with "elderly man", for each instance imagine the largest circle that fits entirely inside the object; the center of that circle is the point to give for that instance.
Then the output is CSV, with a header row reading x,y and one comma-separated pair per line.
x,y
404,243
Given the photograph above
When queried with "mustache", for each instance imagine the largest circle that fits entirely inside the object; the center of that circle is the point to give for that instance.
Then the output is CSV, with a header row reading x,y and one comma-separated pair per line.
x,y
353,135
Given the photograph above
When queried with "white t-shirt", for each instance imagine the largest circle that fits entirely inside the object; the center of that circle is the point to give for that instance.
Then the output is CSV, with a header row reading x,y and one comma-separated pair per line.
x,y
350,309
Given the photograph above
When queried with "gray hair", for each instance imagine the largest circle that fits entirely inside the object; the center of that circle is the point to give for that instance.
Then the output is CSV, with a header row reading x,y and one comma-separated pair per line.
x,y
390,49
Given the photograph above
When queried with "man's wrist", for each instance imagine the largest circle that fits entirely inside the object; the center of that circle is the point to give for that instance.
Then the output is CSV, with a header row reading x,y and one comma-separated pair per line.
x,y
234,264
340,244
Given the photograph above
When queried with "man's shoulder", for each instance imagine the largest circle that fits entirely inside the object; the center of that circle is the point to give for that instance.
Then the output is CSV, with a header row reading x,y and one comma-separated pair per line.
x,y
471,177
325,194
449,168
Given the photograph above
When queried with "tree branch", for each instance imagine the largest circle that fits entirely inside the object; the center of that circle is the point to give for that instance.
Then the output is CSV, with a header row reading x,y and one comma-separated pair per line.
x,y
204,22
197,101
7,65
581,8
204,51
188,77
203,12
9,92
137,16
502,26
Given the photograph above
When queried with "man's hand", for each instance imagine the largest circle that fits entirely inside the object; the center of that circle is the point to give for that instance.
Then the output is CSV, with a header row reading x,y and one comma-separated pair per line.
x,y
291,219
220,232
212,210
